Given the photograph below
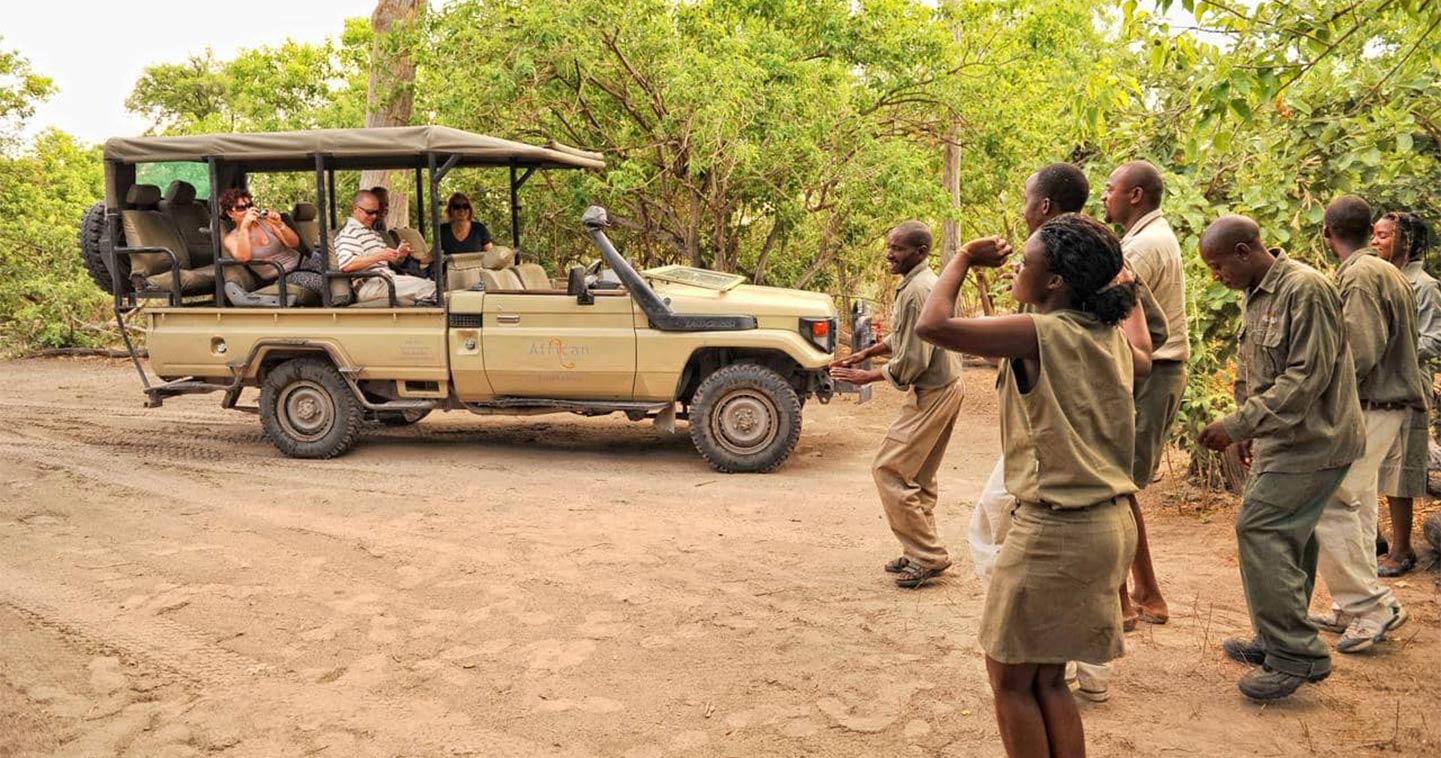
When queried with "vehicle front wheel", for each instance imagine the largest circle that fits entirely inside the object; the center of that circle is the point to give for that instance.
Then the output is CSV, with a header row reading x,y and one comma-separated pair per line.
x,y
745,418
308,410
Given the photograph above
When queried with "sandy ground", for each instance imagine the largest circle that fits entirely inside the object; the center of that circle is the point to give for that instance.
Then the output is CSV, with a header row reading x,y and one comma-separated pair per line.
x,y
170,585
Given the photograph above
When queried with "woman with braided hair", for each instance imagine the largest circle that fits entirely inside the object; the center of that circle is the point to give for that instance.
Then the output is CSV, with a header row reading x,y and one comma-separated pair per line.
x,y
1402,239
1067,429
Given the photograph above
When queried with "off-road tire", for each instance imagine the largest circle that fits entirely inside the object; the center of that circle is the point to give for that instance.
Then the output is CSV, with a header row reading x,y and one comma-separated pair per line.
x,y
745,418
94,244
308,410
403,418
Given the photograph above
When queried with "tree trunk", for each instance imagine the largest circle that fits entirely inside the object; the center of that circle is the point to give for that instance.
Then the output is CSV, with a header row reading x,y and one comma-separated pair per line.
x,y
391,95
951,180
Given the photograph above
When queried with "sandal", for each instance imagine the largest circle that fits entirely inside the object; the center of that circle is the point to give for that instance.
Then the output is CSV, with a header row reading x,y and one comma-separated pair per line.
x,y
914,575
897,566
1401,568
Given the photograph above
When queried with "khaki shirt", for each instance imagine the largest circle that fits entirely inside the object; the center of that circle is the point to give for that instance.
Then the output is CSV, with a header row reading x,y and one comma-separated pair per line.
x,y
1428,310
1295,382
915,362
1067,442
1155,256
1380,313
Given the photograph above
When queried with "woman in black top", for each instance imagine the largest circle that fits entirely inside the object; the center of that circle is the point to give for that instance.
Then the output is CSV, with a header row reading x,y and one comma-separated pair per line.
x,y
463,234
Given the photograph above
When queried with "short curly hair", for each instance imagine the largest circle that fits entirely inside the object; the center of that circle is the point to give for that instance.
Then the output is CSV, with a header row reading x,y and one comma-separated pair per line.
x,y
1412,232
232,197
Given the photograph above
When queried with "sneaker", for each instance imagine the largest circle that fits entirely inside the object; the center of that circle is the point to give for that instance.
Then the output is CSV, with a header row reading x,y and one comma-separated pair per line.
x,y
1363,633
1333,621
239,297
1092,682
1267,684
1245,651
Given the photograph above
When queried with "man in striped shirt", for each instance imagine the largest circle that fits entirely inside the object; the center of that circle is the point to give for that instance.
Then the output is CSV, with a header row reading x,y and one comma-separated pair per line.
x,y
358,247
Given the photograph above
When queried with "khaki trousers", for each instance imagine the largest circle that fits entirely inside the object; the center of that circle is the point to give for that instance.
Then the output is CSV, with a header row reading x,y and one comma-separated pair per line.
x,y
1347,529
1158,400
1277,537
408,289
905,470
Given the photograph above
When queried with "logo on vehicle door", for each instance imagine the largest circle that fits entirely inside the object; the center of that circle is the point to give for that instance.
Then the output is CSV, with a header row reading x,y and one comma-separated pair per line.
x,y
567,354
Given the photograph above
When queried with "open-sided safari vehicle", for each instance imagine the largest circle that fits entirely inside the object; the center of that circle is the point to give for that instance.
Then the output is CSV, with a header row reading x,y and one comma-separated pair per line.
x,y
737,361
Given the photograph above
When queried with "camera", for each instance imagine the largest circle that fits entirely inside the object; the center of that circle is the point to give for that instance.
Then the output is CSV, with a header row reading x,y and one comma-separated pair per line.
x,y
264,213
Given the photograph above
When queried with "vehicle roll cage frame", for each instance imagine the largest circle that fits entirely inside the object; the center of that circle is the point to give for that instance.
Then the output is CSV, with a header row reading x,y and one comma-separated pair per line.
x,y
437,164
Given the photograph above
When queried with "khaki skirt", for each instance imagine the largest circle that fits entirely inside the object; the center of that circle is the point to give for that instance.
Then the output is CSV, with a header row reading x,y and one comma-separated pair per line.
x,y
1055,593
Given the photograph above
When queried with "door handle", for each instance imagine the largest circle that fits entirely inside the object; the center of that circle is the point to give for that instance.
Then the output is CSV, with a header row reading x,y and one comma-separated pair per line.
x,y
507,319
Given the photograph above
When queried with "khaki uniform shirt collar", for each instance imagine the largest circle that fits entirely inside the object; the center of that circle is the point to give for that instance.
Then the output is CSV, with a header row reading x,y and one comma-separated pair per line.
x,y
1356,256
1272,277
912,274
1141,223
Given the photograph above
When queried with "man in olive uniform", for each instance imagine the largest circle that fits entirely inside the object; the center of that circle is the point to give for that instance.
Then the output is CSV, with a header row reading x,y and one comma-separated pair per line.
x,y
1132,198
910,456
1380,316
1299,424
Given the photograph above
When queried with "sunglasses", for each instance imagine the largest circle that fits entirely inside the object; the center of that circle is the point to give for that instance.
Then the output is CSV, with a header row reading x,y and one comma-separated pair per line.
x,y
245,207
369,211
460,207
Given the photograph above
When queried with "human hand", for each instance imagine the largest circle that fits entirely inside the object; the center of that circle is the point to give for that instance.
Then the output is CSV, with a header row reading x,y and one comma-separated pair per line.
x,y
1215,437
252,215
854,359
404,249
1243,450
854,376
986,252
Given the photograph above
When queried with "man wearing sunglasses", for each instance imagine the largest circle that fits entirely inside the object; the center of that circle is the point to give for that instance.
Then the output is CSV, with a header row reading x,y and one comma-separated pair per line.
x,y
358,247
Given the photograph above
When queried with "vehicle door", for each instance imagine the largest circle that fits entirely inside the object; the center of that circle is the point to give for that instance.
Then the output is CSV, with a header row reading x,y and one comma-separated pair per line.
x,y
548,345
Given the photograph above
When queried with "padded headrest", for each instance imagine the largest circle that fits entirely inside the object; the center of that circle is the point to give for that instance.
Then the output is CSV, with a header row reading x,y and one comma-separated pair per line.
x,y
143,195
497,258
180,193
305,212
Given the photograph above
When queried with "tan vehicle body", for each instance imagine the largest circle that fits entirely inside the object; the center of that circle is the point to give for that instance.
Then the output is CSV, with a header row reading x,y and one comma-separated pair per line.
x,y
529,344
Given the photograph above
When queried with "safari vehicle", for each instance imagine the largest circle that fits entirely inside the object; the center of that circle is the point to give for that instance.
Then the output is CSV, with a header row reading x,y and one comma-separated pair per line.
x,y
736,361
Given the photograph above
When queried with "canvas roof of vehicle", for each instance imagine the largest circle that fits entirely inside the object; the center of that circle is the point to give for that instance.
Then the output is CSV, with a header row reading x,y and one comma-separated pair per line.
x,y
381,147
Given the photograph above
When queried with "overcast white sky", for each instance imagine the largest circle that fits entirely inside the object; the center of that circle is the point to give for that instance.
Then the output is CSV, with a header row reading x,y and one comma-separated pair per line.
x,y
95,51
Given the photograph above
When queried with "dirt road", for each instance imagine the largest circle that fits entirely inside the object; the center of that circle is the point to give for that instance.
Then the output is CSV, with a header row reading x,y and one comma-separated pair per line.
x,y
170,585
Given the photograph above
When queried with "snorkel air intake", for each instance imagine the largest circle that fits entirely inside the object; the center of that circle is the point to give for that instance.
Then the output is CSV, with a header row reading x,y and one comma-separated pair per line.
x,y
657,311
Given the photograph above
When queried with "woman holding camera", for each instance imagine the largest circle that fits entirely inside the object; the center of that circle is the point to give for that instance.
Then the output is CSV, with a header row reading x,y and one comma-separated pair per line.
x,y
260,235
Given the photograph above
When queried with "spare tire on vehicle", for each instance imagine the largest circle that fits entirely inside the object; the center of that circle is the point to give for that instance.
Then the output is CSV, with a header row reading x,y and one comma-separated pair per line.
x,y
94,244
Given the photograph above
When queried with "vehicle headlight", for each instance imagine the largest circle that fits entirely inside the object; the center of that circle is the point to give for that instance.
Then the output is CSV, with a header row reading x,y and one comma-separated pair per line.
x,y
820,332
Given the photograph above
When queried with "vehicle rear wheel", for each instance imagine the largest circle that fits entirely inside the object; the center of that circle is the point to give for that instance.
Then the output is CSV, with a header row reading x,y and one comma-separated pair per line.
x,y
745,418
403,418
93,245
308,410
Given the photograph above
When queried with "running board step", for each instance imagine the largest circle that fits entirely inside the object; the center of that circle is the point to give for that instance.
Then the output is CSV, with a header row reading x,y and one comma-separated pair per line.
x,y
578,406
155,396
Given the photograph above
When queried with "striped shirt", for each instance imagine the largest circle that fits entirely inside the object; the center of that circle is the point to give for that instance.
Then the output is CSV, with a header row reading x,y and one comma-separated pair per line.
x,y
355,241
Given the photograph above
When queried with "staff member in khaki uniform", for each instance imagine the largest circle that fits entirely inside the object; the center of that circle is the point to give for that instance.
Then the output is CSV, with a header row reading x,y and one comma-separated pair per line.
x,y
1299,424
1402,239
1380,316
1133,199
1068,447
910,456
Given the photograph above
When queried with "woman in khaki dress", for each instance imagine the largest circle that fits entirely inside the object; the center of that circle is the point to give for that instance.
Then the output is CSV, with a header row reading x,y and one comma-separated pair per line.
x,y
1067,430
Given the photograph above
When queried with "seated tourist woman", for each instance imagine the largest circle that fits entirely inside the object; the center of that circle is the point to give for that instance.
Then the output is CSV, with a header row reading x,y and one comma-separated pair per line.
x,y
463,234
261,236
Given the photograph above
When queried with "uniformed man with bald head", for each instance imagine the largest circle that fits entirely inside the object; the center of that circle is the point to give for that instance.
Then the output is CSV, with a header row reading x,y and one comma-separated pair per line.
x,y
1299,423
905,467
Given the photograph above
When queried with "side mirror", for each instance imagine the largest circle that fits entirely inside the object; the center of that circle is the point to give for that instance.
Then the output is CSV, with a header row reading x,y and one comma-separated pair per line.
x,y
575,286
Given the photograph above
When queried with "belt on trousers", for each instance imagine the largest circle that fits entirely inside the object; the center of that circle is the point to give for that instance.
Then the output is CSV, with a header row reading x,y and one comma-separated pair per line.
x,y
1370,406
1055,507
